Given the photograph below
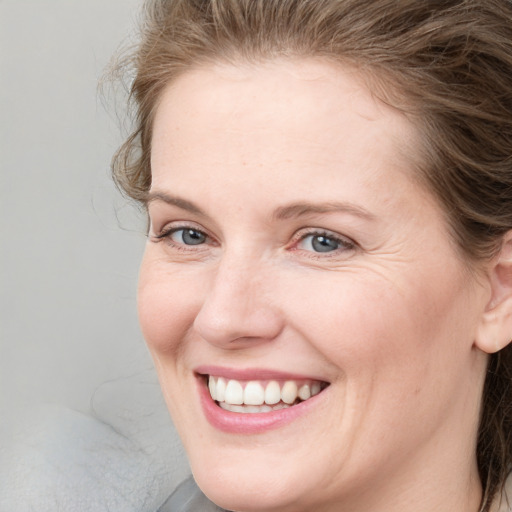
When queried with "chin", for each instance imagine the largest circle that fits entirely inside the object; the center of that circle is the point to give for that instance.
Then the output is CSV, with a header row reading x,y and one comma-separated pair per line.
x,y
272,481
248,492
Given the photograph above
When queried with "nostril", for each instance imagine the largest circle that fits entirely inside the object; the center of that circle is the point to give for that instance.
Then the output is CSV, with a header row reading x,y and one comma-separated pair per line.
x,y
232,328
235,309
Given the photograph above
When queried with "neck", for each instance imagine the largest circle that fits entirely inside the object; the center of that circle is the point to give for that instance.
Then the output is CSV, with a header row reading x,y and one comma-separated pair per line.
x,y
436,485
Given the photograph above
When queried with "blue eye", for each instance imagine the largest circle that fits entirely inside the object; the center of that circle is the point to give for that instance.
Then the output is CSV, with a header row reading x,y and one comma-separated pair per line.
x,y
188,236
320,243
323,243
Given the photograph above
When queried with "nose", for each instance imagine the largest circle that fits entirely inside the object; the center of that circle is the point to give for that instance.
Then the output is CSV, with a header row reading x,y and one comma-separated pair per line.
x,y
238,310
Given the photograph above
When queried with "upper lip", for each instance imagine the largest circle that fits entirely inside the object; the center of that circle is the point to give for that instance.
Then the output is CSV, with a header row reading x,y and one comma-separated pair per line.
x,y
253,373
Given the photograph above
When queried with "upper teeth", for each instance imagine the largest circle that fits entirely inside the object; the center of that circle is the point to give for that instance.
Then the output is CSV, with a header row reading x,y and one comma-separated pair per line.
x,y
253,392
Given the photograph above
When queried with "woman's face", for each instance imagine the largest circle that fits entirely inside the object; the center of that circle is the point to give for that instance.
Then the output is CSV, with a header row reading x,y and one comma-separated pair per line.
x,y
292,254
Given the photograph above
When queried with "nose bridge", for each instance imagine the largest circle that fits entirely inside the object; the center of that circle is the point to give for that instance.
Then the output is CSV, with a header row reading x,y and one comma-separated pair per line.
x,y
238,304
234,284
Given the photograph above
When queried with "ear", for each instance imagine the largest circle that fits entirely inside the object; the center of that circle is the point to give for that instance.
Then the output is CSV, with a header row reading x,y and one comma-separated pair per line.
x,y
495,328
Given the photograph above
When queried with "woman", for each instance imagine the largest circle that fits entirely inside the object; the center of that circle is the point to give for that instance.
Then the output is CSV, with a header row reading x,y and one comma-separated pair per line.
x,y
327,286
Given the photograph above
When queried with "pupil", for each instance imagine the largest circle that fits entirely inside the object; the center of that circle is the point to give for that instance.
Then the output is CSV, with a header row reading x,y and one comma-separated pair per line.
x,y
193,237
324,244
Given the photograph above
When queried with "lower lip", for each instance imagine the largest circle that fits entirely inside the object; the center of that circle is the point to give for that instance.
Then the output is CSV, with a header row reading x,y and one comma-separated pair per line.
x,y
250,423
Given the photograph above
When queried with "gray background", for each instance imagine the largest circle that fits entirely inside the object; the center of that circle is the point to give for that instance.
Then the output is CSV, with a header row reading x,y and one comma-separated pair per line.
x,y
71,354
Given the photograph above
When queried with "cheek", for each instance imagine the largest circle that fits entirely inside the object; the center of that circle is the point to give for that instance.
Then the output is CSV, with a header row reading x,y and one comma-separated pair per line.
x,y
375,329
167,305
167,309
401,369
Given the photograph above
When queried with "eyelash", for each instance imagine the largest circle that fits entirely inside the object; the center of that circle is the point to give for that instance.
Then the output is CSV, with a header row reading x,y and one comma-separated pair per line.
x,y
343,243
166,234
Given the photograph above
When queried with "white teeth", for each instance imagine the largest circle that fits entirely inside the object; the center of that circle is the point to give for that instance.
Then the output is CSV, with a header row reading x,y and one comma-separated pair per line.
x,y
233,396
231,407
289,392
211,387
234,393
252,408
272,393
254,393
220,389
247,409
304,392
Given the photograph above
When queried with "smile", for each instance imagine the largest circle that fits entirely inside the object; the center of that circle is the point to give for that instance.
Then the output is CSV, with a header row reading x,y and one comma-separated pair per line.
x,y
256,396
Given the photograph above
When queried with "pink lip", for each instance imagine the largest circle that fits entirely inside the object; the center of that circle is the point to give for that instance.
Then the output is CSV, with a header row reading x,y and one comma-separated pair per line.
x,y
252,374
250,423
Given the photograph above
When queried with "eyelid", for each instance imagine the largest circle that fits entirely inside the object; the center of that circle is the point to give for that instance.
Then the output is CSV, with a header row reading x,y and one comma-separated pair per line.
x,y
345,242
176,225
172,231
165,233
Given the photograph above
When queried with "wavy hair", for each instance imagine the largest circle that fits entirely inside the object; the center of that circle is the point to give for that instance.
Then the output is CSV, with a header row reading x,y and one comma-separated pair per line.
x,y
447,64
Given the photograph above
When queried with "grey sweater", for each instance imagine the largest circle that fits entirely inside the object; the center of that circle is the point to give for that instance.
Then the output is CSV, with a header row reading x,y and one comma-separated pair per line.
x,y
188,498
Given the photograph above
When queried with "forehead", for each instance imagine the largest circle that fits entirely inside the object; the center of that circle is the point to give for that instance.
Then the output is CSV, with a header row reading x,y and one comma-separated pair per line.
x,y
278,83
301,116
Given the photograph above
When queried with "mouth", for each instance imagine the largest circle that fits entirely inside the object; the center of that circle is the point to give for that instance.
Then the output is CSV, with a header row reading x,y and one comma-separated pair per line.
x,y
261,396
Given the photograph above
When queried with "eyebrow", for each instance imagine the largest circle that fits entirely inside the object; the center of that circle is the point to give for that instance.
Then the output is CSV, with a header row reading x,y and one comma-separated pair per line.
x,y
174,201
301,209
293,210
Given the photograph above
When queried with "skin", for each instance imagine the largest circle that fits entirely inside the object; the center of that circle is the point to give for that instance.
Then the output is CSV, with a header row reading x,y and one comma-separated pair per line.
x,y
389,318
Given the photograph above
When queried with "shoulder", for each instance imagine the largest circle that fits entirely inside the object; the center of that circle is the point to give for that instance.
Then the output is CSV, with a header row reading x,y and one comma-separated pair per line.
x,y
188,498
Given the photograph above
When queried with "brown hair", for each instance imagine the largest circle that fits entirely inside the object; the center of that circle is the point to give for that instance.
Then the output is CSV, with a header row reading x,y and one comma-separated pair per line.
x,y
446,63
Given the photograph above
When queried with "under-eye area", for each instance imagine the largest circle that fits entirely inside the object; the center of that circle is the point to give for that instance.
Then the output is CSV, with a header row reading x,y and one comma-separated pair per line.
x,y
261,396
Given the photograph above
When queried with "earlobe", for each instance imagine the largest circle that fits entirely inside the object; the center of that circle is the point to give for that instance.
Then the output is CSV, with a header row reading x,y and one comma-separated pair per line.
x,y
495,327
